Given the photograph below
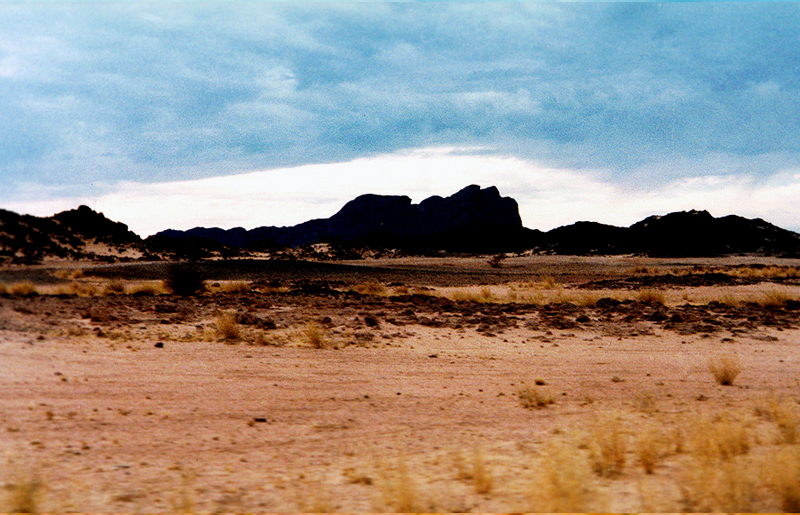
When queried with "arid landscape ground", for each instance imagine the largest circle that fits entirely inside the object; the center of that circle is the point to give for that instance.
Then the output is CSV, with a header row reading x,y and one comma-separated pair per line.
x,y
550,383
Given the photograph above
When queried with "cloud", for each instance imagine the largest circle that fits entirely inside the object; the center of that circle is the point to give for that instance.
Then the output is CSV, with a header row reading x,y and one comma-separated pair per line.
x,y
158,92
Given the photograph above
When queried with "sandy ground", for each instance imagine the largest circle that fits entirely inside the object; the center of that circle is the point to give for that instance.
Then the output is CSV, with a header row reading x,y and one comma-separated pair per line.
x,y
394,402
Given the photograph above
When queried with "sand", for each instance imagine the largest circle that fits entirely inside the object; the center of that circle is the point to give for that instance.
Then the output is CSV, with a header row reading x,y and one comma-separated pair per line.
x,y
410,403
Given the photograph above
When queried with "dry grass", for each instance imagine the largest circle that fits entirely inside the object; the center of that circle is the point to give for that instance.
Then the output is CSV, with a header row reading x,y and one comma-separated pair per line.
x,y
114,287
22,288
775,298
651,297
226,328
719,437
24,495
649,449
784,415
784,472
314,335
607,447
398,491
482,479
370,288
535,398
709,486
148,289
563,482
725,368
234,287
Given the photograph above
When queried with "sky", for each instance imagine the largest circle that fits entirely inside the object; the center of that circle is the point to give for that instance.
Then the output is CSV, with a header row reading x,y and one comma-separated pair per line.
x,y
176,115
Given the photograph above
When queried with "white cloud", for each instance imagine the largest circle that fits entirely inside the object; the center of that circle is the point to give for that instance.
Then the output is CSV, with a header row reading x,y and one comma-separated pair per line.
x,y
547,197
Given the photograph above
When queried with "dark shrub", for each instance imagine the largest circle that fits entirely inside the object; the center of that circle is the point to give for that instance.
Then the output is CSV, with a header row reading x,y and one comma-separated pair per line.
x,y
184,280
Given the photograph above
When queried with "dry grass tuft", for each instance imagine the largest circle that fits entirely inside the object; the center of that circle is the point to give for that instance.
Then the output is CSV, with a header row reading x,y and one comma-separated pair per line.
x,y
563,482
535,398
481,475
398,491
235,287
775,298
718,438
649,449
651,297
23,288
725,369
785,478
226,328
370,288
24,495
784,415
147,289
114,287
607,447
314,335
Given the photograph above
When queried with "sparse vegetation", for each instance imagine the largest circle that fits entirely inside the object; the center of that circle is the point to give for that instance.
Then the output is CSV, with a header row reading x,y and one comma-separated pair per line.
x,y
370,288
563,483
184,280
24,494
496,261
607,447
725,369
651,297
22,288
226,328
535,398
314,335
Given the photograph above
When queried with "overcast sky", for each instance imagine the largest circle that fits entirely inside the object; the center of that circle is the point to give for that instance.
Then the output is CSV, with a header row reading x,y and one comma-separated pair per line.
x,y
247,114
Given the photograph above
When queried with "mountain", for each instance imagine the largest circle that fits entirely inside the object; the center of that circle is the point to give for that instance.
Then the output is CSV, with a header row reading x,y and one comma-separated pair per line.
x,y
470,219
76,234
473,220
681,234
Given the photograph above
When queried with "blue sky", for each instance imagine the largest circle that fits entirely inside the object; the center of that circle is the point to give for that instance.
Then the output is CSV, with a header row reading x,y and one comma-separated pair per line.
x,y
600,111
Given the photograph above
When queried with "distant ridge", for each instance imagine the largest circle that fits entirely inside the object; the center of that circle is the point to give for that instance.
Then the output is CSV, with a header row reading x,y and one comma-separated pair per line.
x,y
470,220
473,220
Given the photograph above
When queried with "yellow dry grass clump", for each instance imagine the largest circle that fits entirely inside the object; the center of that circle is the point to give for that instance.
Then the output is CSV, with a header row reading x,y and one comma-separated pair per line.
x,y
607,446
370,288
725,368
226,328
314,335
535,398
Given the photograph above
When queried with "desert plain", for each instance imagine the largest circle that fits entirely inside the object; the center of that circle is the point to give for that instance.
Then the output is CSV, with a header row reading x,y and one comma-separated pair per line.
x,y
547,383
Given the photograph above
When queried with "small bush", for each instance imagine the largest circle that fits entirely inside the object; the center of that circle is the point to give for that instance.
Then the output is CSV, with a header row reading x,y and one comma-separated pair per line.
x,y
651,297
496,261
184,280
649,448
370,288
725,369
116,286
24,288
146,290
24,495
314,335
607,448
564,482
534,398
235,287
226,328
785,478
775,299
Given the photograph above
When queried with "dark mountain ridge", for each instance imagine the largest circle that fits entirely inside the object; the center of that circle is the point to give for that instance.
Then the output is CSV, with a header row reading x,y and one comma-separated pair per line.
x,y
473,220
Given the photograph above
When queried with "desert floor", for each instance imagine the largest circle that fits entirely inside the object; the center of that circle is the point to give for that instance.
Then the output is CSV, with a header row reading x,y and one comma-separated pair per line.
x,y
549,384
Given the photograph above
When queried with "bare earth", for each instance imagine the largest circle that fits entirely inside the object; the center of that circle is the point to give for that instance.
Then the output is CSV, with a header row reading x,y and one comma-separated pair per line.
x,y
408,396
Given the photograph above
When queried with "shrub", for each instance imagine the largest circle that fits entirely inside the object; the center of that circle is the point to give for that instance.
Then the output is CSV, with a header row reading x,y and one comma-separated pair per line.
x,y
786,478
496,261
649,450
184,280
115,286
226,327
370,288
563,482
607,448
24,288
651,297
725,369
534,398
314,335
775,299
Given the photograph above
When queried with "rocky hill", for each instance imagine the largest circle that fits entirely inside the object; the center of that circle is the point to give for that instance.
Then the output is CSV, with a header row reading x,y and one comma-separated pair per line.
x,y
473,220
75,234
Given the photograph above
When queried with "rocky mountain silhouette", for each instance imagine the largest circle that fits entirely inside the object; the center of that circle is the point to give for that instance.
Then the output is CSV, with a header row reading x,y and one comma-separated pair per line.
x,y
28,239
473,220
